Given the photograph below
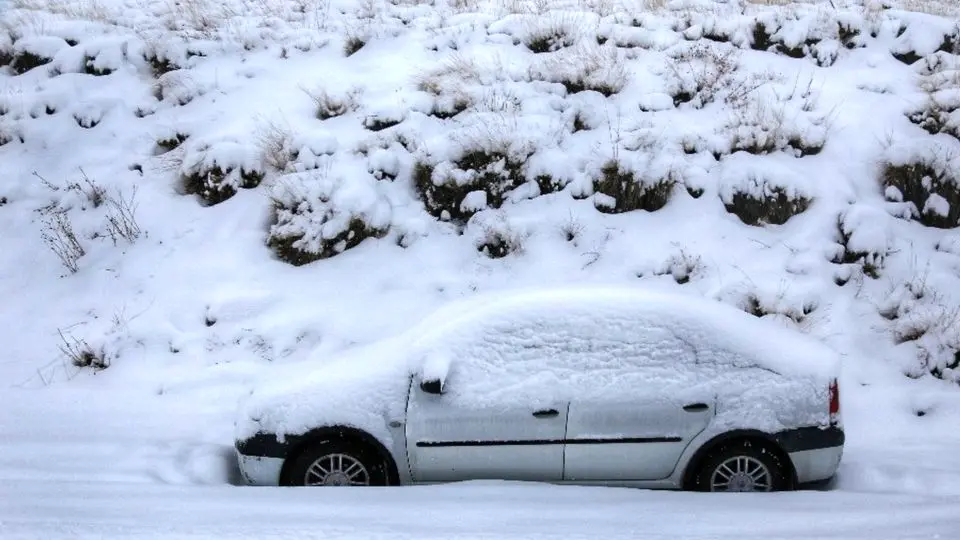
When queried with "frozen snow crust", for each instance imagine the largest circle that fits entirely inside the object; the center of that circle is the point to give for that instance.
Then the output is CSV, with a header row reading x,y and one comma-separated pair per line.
x,y
536,348
294,202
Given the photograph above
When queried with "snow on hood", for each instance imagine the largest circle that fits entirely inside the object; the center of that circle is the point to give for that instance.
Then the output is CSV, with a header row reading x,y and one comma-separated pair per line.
x,y
367,387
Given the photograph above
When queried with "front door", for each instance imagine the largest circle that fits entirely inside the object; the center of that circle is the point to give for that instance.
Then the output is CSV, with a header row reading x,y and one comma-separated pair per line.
x,y
452,439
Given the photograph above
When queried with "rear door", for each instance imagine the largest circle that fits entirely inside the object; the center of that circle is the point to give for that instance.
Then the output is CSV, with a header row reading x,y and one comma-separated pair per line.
x,y
640,439
634,421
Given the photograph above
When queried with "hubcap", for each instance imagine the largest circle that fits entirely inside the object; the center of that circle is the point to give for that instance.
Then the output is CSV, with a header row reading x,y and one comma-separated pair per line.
x,y
741,473
337,470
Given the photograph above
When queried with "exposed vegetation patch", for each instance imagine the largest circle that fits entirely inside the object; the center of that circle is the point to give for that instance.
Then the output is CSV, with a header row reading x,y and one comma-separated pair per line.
x,y
25,61
216,171
160,65
172,142
757,201
353,45
215,185
623,190
381,122
929,185
486,176
332,105
550,36
90,67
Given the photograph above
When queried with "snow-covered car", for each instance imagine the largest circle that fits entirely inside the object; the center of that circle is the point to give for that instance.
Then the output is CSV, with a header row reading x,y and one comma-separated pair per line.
x,y
585,386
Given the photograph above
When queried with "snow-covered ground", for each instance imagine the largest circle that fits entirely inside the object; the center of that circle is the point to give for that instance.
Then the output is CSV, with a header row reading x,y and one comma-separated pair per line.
x,y
717,117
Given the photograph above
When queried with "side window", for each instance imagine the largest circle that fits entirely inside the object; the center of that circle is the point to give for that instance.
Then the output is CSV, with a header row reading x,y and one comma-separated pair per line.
x,y
546,357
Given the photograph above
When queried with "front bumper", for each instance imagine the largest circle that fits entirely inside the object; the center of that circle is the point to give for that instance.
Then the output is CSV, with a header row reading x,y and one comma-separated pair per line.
x,y
260,470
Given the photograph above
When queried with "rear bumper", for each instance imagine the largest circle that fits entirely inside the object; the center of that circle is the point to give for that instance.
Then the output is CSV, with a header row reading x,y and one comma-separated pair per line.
x,y
815,452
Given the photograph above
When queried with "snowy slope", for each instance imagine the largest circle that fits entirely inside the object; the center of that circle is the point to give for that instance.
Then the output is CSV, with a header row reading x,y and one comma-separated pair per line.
x,y
656,146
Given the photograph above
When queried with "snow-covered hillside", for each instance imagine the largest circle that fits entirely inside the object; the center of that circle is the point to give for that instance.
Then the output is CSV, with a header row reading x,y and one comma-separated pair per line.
x,y
198,194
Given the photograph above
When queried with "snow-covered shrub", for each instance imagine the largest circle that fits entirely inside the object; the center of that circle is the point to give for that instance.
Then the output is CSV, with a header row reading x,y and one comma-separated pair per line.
x,y
353,44
215,170
178,87
551,34
915,41
482,170
277,145
927,180
170,140
104,56
83,355
701,73
619,188
494,235
775,122
318,215
334,104
863,238
759,193
9,132
680,266
35,51
584,68
941,82
60,237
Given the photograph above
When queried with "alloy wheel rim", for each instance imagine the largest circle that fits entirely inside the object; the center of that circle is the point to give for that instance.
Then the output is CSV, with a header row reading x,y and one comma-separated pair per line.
x,y
741,473
336,470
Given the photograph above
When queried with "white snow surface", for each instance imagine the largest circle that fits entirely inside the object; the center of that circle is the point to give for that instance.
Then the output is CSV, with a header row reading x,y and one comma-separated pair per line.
x,y
195,310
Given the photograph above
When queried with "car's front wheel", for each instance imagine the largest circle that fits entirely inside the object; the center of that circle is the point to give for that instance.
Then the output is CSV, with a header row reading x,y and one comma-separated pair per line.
x,y
742,466
335,463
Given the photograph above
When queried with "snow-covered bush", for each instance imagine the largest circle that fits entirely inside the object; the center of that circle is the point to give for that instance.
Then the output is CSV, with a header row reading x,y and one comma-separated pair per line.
x,y
584,68
941,82
864,238
334,104
760,193
681,266
216,169
926,180
774,122
700,74
319,214
35,51
495,235
83,355
623,186
915,41
550,34
482,169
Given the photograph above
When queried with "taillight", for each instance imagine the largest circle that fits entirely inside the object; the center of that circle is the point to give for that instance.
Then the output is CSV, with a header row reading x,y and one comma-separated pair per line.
x,y
834,402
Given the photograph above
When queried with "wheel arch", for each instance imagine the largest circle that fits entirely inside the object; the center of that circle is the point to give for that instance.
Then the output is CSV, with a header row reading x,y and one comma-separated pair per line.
x,y
752,435
344,433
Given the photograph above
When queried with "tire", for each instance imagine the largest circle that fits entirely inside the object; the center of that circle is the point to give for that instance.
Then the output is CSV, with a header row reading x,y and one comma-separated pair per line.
x,y
744,466
344,461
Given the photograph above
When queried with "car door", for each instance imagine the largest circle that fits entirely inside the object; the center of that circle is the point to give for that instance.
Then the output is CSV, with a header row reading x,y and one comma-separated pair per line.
x,y
451,439
634,422
639,439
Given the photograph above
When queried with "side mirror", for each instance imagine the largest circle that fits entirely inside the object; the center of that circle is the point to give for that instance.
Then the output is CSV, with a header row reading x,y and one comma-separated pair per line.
x,y
433,386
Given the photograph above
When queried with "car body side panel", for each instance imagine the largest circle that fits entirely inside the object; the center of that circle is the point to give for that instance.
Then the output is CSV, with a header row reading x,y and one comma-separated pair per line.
x,y
638,440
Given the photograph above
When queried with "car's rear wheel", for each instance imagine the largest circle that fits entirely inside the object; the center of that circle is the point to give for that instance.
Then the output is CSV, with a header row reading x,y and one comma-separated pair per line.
x,y
335,463
742,466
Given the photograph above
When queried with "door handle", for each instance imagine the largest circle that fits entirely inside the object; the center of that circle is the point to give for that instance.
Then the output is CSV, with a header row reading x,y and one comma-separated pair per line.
x,y
546,413
696,407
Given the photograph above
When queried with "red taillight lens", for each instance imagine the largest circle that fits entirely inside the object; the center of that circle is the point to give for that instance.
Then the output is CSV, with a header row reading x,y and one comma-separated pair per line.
x,y
834,402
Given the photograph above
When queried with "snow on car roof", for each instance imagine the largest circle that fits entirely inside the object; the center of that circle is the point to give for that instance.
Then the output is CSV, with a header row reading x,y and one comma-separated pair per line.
x,y
705,325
